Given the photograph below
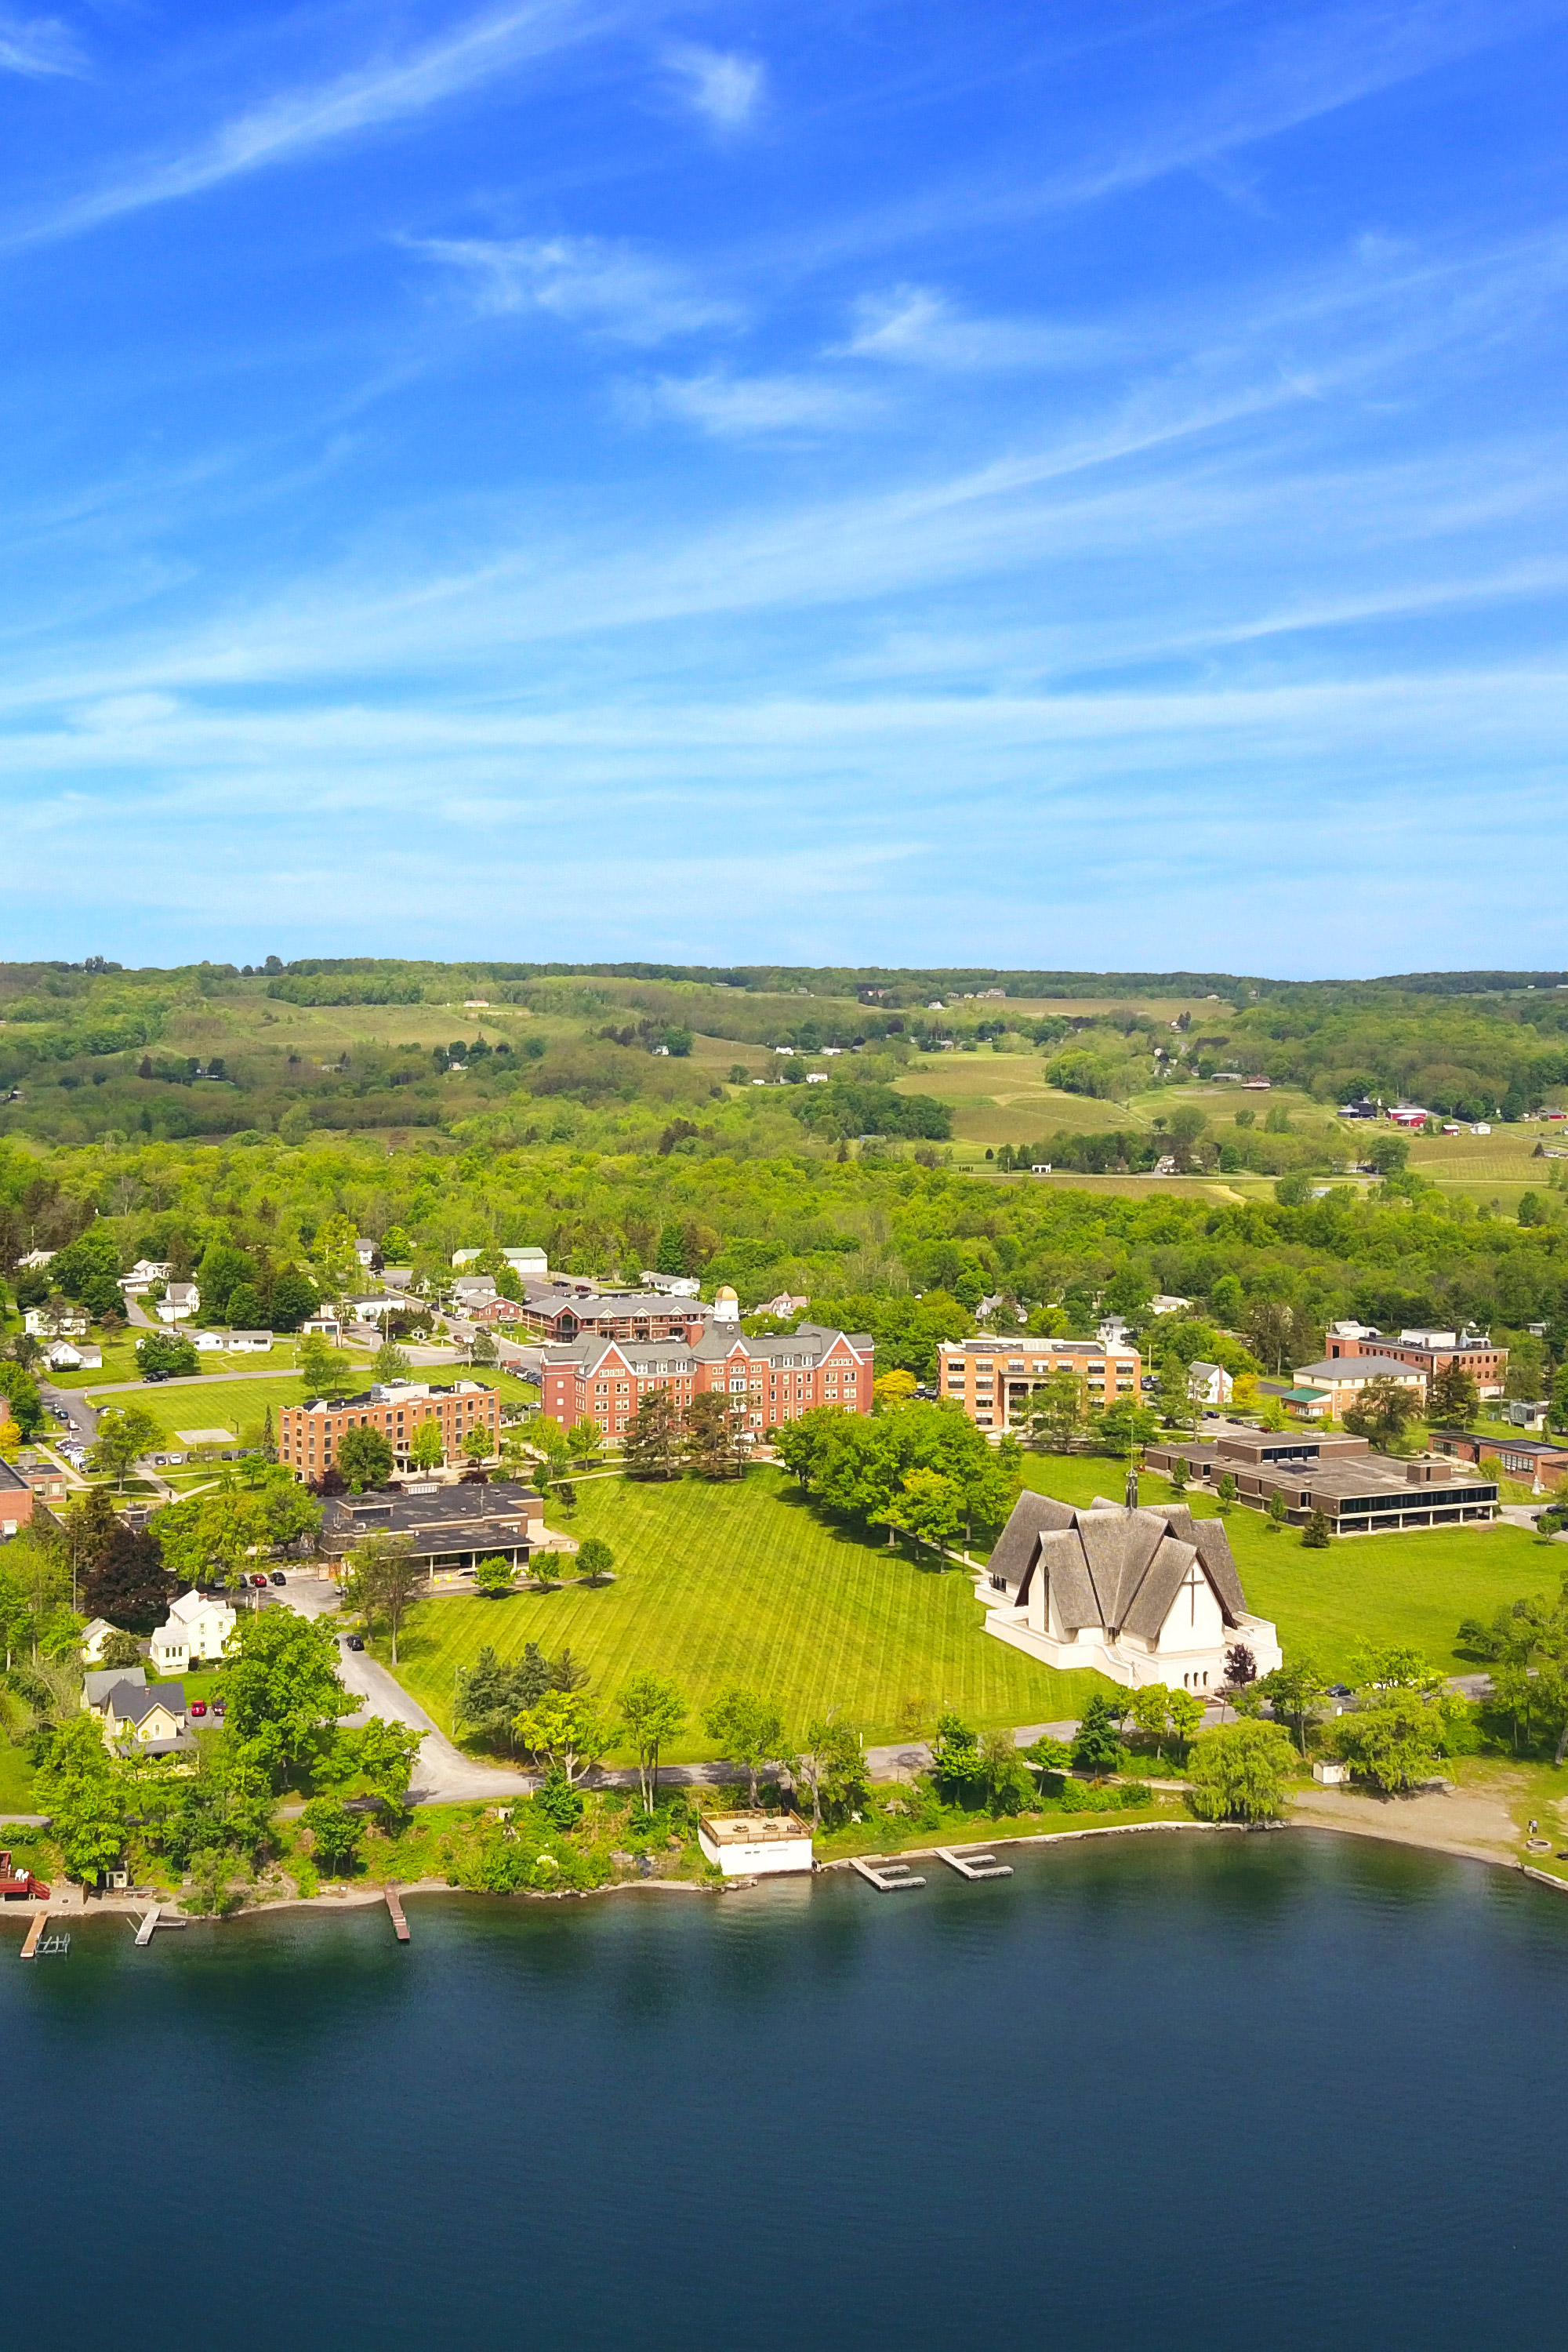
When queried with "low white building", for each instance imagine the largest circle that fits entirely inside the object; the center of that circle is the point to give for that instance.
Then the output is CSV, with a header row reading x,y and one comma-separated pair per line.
x,y
756,1845
181,1303
35,1260
209,1342
528,1261
249,1343
1209,1383
466,1256
93,1638
193,1634
1142,1596
74,1356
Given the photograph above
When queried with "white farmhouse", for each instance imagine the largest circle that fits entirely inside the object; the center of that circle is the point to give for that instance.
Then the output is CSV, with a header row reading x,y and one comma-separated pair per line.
x,y
1145,1596
179,1303
192,1635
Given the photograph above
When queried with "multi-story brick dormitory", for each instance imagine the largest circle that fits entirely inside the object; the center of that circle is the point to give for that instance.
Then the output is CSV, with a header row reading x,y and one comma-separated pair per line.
x,y
993,1379
310,1435
778,1378
1360,1492
1428,1352
563,1316
451,1525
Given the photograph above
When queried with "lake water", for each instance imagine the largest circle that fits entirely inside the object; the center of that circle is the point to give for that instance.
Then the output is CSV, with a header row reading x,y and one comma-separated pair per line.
x,y
1285,2091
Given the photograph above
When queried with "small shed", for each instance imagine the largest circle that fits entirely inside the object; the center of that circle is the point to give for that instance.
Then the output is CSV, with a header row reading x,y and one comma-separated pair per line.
x,y
1332,1775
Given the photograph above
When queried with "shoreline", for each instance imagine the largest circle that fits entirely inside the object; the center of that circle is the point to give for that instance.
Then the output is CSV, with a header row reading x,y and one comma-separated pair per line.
x,y
363,1898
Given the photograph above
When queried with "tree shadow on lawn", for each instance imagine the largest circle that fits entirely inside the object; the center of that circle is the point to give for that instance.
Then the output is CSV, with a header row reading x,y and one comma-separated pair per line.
x,y
873,1541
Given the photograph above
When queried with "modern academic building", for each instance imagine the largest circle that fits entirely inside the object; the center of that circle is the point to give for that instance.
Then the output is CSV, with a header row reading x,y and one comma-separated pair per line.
x,y
1359,1492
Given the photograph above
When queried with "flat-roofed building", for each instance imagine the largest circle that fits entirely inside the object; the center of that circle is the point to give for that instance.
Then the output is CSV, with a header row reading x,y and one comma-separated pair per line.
x,y
756,1845
771,1379
309,1435
1426,1351
1359,1492
15,1503
995,1379
445,1526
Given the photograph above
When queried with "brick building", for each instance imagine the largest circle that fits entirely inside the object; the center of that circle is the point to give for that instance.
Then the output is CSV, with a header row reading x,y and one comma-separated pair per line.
x,y
309,1435
778,1378
1428,1352
563,1316
993,1379
15,1502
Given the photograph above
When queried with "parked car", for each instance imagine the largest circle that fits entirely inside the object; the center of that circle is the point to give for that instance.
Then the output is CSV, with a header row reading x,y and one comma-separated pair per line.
x,y
198,1707
220,1707
278,1577
1339,1690
354,1642
151,1380
260,1581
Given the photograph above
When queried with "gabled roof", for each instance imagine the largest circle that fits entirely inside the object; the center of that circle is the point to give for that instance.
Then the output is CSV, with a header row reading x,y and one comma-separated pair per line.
x,y
1113,1568
97,1686
134,1702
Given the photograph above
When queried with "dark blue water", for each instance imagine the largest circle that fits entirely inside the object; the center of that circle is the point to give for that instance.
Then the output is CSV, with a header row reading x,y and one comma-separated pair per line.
x,y
1287,2091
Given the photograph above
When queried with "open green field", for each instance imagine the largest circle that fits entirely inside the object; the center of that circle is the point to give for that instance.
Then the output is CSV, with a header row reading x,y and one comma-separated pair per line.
x,y
747,1583
233,1405
15,1782
1412,1588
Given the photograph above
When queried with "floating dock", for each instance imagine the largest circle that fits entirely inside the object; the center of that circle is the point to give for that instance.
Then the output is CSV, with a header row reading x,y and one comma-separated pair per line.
x,y
974,1866
30,1946
886,1877
400,1924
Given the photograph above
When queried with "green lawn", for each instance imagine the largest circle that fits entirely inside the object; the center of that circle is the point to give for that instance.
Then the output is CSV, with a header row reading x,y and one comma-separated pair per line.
x,y
15,1782
746,1583
233,1405
1412,1588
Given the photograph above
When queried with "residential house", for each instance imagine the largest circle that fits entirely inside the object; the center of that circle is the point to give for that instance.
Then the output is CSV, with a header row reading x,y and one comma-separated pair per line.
x,y
1209,1384
674,1285
35,1260
995,1379
209,1342
181,1303
1359,1492
1142,1596
73,1356
323,1325
310,1435
249,1343
96,1685
375,1306
364,1250
447,1526
772,1380
93,1638
144,1273
59,1320
15,1502
153,1717
193,1634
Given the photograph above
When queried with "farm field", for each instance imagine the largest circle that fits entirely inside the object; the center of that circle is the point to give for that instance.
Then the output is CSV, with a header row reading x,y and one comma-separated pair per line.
x,y
1412,1588
746,1583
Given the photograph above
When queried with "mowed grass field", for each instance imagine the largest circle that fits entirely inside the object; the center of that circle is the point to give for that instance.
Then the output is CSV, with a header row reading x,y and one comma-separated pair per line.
x,y
1412,1588
719,1584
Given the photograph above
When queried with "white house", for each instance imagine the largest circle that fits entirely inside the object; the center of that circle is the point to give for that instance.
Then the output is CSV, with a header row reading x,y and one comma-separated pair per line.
x,y
207,1341
193,1634
181,1301
1145,1596
144,1273
320,1326
33,1260
756,1845
364,1250
93,1638
1209,1383
466,1256
249,1343
73,1356
60,1321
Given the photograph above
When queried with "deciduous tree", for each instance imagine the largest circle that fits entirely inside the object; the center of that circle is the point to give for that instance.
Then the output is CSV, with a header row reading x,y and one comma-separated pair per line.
x,y
1237,1772
654,1710
747,1730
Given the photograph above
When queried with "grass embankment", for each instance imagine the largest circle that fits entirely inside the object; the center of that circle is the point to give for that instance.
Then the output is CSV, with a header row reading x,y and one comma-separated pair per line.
x,y
1412,1588
748,1583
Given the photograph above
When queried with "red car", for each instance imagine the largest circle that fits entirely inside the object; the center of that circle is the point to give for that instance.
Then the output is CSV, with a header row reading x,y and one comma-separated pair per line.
x,y
260,1581
198,1707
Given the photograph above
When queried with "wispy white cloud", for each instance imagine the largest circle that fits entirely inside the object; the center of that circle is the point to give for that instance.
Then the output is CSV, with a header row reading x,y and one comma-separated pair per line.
x,y
38,47
917,326
753,407
305,120
611,289
723,88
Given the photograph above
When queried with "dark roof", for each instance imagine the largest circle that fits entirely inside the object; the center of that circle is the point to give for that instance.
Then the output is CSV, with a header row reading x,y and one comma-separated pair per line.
x,y
134,1701
9,1477
432,1520
97,1686
1112,1567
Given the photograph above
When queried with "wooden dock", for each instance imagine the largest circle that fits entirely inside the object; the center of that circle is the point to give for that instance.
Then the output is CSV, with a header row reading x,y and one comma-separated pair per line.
x,y
145,1931
400,1925
30,1947
886,1877
978,1865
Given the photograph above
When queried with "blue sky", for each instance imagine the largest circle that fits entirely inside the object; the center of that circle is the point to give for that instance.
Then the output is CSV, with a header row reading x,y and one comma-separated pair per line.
x,y
1041,485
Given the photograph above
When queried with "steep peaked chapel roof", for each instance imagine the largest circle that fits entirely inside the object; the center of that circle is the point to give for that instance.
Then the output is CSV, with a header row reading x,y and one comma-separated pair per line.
x,y
1114,1567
